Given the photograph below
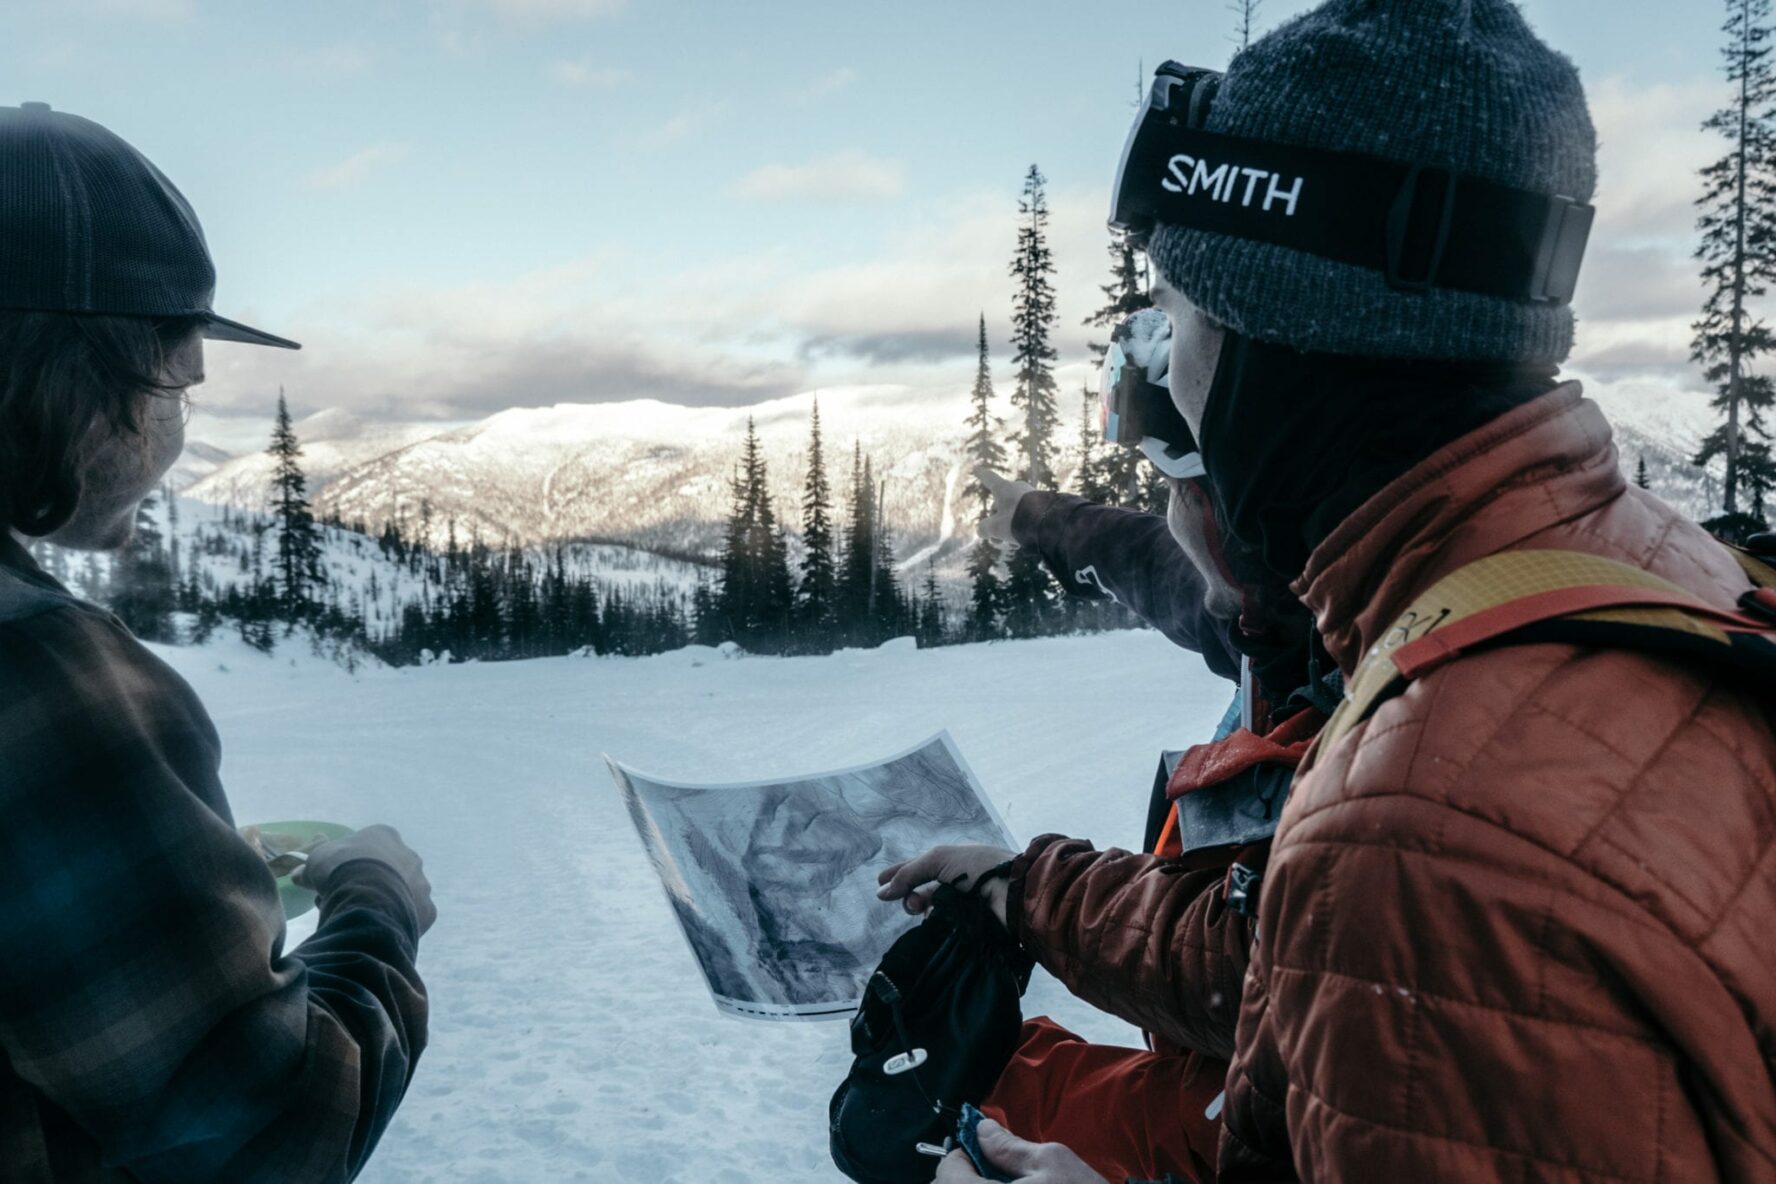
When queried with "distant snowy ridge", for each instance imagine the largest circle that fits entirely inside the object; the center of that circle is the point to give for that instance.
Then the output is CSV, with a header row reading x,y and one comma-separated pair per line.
x,y
644,473
654,475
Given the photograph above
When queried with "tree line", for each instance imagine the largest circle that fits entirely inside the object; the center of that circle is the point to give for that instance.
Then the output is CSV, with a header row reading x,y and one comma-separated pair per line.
x,y
283,573
848,589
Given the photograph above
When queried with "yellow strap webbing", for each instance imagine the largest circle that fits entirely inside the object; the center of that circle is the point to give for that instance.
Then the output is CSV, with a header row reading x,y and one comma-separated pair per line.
x,y
1498,580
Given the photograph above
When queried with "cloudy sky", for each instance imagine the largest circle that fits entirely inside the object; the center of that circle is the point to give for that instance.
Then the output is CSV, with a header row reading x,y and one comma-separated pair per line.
x,y
465,205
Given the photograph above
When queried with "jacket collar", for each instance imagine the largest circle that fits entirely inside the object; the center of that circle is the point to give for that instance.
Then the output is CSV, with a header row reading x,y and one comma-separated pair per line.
x,y
1546,462
17,561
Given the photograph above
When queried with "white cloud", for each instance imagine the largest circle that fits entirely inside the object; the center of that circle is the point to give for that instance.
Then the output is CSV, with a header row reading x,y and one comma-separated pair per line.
x,y
830,83
1650,147
735,330
356,167
581,73
692,121
1640,290
850,176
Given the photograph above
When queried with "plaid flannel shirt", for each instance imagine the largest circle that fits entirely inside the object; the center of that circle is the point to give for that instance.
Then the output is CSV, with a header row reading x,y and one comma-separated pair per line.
x,y
152,1027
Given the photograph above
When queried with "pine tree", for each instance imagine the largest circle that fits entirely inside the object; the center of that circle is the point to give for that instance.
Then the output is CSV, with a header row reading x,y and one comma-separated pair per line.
x,y
1031,597
1640,473
886,609
1028,593
1757,469
984,449
857,558
1124,295
298,542
733,592
1033,321
1117,477
1089,479
756,598
141,590
172,505
816,595
771,625
983,446
986,603
1245,20
931,614
1738,248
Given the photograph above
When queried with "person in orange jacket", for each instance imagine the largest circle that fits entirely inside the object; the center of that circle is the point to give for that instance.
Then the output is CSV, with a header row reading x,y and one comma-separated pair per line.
x,y
1503,930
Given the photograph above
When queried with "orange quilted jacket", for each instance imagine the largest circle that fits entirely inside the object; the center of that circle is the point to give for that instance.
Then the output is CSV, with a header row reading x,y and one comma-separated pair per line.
x,y
1521,924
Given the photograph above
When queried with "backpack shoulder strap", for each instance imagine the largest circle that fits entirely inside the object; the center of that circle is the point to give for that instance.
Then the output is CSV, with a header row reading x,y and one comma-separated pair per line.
x,y
1527,597
1761,569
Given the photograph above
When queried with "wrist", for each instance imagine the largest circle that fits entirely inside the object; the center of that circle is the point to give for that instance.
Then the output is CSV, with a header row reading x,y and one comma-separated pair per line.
x,y
997,894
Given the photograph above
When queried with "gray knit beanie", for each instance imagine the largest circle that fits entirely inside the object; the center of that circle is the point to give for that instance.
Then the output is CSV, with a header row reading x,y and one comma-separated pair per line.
x,y
1462,84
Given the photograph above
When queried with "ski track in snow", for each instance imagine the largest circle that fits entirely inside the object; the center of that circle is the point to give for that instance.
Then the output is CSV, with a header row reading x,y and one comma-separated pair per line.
x,y
571,1036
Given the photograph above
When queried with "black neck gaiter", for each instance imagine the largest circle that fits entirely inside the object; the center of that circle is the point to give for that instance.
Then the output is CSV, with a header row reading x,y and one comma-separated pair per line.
x,y
1295,442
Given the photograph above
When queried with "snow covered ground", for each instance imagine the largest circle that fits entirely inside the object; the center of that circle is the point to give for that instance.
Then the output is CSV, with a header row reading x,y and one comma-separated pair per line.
x,y
572,1038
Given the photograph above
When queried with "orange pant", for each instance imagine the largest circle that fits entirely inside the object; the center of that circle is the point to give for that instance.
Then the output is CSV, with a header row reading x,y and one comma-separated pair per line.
x,y
1126,1112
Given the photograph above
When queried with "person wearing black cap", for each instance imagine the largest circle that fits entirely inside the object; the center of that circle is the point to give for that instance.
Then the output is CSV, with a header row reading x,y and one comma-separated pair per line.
x,y
152,1028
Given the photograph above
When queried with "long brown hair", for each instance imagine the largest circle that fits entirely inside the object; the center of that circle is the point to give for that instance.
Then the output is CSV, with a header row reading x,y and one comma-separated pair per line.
x,y
62,374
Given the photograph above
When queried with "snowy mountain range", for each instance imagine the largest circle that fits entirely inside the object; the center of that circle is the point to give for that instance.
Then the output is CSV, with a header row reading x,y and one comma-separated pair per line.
x,y
654,476
644,473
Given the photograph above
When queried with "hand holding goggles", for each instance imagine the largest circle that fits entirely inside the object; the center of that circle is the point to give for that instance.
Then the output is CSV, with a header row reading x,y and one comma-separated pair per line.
x,y
1136,398
1421,225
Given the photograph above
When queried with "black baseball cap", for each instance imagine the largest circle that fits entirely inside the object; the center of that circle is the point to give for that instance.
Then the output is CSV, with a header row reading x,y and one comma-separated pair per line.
x,y
89,225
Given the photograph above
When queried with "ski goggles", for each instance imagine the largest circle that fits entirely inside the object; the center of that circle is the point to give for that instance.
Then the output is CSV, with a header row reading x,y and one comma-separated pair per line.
x,y
1135,397
1421,225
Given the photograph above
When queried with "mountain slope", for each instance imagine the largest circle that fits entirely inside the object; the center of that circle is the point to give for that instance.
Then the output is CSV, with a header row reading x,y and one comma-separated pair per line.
x,y
645,473
655,476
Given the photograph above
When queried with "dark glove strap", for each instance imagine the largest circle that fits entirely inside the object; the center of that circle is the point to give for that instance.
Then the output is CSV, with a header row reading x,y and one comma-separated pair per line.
x,y
999,871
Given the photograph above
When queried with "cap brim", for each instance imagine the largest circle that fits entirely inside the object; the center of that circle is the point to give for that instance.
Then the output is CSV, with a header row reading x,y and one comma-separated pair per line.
x,y
222,329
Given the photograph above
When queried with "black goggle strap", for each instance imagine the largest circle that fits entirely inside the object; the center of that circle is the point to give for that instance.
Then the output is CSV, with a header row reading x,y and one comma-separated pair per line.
x,y
1420,226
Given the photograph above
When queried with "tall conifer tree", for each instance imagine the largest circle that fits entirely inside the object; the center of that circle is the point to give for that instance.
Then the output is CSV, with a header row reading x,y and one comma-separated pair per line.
x,y
815,605
885,604
987,592
1245,20
1029,593
755,598
1124,295
141,591
298,542
983,444
857,565
931,615
1738,248
1033,320
1089,479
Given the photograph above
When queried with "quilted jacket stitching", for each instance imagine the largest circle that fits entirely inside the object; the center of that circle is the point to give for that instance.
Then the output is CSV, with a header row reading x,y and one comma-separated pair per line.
x,y
1664,884
1492,1148
1638,1040
1642,768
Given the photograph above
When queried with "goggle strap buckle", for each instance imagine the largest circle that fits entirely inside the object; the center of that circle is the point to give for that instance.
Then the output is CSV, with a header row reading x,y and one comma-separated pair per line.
x,y
1413,261
1565,236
